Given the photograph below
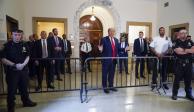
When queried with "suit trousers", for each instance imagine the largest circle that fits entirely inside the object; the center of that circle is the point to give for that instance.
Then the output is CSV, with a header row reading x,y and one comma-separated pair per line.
x,y
108,72
17,79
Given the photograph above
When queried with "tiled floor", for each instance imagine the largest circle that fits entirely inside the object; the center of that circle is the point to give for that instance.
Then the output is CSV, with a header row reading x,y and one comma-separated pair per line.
x,y
139,99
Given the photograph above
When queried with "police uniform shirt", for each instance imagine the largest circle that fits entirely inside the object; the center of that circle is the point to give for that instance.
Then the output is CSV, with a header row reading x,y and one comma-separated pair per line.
x,y
161,44
122,44
187,44
15,52
86,47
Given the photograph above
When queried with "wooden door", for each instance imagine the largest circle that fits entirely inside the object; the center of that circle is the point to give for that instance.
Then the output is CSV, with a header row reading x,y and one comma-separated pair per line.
x,y
92,29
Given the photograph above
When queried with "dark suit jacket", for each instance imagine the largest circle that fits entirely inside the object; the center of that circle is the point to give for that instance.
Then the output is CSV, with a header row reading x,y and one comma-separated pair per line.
x,y
38,47
32,50
69,51
137,48
107,48
53,52
121,51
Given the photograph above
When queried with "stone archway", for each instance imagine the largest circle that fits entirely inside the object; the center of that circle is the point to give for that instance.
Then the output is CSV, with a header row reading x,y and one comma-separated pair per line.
x,y
106,4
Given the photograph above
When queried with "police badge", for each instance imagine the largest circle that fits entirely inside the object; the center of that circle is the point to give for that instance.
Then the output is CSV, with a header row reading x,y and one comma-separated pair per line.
x,y
24,49
189,44
173,44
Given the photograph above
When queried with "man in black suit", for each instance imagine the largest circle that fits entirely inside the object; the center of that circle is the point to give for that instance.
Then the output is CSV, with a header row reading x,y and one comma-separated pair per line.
x,y
66,54
31,64
43,63
140,50
57,49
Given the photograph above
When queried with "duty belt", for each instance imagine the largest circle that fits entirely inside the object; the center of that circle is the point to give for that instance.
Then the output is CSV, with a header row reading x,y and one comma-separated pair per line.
x,y
183,62
15,69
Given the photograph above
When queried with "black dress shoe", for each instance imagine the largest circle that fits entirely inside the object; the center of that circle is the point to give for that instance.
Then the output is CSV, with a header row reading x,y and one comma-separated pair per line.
x,y
113,89
51,87
127,73
166,87
153,86
106,91
29,104
70,72
174,97
143,77
190,97
137,77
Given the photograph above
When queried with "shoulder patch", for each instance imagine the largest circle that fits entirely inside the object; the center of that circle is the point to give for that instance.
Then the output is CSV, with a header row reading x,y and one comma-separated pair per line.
x,y
189,43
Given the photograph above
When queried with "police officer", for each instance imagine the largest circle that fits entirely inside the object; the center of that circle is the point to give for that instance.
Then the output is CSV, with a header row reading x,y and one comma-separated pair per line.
x,y
86,48
183,50
15,55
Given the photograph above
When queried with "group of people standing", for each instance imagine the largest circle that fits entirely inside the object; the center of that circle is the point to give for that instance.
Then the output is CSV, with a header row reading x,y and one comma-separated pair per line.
x,y
50,54
47,54
160,48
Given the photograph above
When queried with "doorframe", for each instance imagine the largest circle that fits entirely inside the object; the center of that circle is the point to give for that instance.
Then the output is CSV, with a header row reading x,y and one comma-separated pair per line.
x,y
186,25
134,23
11,20
35,20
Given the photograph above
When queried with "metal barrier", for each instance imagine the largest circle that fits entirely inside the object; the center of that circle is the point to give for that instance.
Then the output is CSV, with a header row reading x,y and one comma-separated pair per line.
x,y
69,82
93,80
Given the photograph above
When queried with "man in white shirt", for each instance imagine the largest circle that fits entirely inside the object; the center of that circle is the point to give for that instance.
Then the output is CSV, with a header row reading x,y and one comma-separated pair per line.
x,y
160,46
85,50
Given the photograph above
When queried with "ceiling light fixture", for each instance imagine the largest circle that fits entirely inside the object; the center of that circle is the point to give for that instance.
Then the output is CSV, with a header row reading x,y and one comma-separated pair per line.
x,y
92,18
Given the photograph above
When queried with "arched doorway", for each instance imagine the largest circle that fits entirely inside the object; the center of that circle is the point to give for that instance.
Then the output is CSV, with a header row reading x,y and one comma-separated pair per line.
x,y
106,6
94,30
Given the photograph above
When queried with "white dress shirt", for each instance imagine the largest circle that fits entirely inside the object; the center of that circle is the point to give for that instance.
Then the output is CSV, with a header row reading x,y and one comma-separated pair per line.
x,y
86,47
56,40
122,44
112,39
161,44
65,45
141,41
44,40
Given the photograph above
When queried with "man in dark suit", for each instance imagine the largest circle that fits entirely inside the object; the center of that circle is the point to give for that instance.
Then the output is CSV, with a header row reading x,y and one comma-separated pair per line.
x,y
123,52
140,50
31,64
66,54
42,62
109,48
57,49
